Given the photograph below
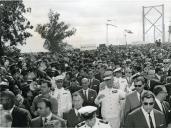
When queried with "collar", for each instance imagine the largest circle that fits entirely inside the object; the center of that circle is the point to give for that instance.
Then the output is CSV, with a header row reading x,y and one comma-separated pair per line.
x,y
48,117
158,101
11,110
61,89
146,113
86,89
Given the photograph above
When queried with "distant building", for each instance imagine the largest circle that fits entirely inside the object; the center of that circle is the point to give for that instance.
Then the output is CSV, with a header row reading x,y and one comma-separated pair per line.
x,y
88,47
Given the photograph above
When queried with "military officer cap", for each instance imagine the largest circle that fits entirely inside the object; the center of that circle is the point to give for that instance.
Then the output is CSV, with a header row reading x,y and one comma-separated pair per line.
x,y
166,61
118,70
87,112
107,75
59,77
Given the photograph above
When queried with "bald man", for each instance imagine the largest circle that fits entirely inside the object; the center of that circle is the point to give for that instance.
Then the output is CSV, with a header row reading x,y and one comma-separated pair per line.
x,y
89,95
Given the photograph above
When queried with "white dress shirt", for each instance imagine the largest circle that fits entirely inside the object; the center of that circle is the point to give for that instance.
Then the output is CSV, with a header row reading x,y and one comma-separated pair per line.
x,y
159,104
64,100
86,92
147,117
139,97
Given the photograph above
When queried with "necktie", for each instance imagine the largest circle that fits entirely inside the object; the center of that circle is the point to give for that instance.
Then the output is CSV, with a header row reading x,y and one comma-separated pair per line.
x,y
150,119
41,122
164,111
85,95
45,121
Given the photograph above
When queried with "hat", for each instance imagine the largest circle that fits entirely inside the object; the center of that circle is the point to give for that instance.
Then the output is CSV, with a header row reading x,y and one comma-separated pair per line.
x,y
107,75
4,83
136,75
53,69
87,112
166,61
59,77
118,70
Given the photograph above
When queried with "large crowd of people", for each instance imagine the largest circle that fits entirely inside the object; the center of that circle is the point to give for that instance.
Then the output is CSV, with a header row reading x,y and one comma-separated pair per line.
x,y
110,87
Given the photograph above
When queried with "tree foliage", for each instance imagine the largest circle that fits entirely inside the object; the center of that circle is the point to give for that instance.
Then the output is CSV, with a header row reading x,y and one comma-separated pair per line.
x,y
13,23
54,32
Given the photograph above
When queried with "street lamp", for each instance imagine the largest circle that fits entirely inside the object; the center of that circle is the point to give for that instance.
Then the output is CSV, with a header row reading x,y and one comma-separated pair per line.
x,y
125,32
107,26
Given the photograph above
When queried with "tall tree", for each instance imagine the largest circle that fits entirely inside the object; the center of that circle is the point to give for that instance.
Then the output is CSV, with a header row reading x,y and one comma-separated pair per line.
x,y
55,32
13,24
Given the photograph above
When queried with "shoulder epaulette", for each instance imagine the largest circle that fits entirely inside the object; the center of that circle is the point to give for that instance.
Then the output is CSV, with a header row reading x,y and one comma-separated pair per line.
x,y
80,124
103,121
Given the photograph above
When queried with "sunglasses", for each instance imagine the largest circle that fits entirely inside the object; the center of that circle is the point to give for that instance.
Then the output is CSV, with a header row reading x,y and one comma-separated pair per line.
x,y
137,85
146,103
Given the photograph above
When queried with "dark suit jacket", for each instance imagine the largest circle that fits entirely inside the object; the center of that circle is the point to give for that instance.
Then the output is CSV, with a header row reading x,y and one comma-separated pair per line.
x,y
21,117
94,84
132,102
99,77
37,122
136,119
91,97
72,119
166,110
153,83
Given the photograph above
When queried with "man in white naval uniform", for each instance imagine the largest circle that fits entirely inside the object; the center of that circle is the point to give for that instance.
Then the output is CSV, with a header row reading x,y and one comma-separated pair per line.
x,y
91,121
119,81
63,96
110,100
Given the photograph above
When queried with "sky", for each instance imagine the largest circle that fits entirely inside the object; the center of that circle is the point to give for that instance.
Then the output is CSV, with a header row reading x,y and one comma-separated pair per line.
x,y
89,17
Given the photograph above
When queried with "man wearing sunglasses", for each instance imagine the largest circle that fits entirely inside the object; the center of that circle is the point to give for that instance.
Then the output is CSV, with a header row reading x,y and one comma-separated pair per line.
x,y
146,116
133,99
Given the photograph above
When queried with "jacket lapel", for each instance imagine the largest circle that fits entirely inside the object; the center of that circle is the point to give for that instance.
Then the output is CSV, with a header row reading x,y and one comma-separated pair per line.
x,y
156,106
143,119
136,100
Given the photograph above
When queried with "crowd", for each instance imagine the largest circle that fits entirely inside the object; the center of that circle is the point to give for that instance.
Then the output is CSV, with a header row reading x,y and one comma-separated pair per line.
x,y
111,87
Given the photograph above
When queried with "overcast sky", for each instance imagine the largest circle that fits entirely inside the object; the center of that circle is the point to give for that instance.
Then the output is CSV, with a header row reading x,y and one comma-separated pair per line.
x,y
89,17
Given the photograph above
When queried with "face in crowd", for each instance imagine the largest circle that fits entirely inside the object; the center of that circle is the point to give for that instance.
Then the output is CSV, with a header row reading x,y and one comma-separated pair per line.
x,y
151,74
109,82
128,72
77,101
91,74
85,83
91,122
59,83
139,86
42,109
118,74
148,104
7,99
44,88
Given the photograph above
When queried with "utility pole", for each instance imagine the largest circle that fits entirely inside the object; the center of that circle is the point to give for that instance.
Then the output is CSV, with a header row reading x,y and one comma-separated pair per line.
x,y
107,28
169,39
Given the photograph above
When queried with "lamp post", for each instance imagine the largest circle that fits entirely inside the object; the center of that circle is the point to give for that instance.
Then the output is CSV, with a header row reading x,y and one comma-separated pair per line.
x,y
107,27
125,32
1,20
